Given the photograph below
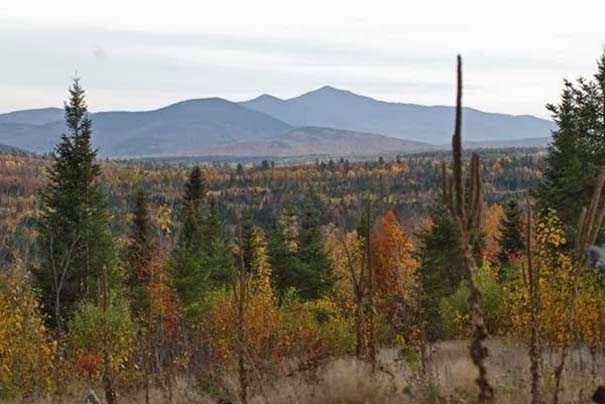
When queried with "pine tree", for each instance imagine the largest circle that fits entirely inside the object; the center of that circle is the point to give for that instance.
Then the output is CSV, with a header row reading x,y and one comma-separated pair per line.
x,y
296,255
577,154
219,256
511,239
191,216
247,240
288,222
139,254
74,241
314,277
188,263
283,246
441,269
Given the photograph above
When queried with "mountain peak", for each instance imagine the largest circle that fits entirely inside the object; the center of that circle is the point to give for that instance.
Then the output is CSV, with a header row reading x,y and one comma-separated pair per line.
x,y
264,98
326,93
330,90
268,97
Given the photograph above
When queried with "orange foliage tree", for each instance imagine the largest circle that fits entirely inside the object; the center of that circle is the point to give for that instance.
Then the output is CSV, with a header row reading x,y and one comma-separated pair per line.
x,y
396,275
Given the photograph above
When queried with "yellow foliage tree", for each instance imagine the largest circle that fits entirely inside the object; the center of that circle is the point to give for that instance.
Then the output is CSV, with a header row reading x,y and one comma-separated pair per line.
x,y
554,269
491,229
27,351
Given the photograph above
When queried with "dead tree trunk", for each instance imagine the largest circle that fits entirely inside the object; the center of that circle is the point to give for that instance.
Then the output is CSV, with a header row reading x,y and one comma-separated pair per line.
x,y
370,300
589,225
535,350
466,211
240,293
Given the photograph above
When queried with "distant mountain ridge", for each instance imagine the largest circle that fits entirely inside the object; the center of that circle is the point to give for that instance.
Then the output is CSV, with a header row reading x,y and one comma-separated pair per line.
x,y
33,116
537,142
6,149
317,141
324,121
343,109
177,128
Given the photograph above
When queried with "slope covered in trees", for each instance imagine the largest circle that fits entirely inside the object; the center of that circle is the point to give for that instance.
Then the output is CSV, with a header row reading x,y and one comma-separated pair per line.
x,y
131,277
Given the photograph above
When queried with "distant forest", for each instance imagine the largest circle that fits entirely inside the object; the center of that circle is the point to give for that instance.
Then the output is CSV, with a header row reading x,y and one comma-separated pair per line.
x,y
407,185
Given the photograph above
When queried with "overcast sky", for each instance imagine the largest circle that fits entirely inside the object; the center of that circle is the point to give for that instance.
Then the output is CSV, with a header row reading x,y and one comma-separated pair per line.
x,y
145,54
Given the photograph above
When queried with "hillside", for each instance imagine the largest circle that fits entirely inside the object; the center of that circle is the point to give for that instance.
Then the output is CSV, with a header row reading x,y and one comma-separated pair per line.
x,y
6,149
335,108
538,142
33,116
327,121
175,129
308,141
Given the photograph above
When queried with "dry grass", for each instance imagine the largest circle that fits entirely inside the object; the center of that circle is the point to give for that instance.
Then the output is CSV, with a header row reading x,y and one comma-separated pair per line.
x,y
451,380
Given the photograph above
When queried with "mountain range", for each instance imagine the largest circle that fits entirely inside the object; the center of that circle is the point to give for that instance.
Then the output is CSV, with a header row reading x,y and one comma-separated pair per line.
x,y
327,121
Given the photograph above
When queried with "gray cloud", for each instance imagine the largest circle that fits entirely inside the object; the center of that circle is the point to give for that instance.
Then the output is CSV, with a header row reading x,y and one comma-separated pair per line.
x,y
134,70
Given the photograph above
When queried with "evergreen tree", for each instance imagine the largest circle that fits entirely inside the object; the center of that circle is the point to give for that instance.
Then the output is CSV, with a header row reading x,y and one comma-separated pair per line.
x,y
246,237
191,215
576,155
296,256
288,222
189,258
74,241
139,253
283,246
511,239
313,276
441,266
219,257
141,232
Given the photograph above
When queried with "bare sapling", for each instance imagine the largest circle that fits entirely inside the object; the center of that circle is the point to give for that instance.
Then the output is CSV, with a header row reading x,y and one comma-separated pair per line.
x,y
535,350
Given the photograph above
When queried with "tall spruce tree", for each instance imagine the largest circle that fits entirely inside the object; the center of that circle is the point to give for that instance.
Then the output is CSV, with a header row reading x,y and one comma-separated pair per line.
x,y
314,275
188,262
576,155
139,253
246,237
191,214
219,255
283,248
296,255
441,266
74,241
511,239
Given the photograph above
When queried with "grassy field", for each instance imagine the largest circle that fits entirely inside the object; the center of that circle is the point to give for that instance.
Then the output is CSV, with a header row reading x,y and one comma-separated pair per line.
x,y
349,381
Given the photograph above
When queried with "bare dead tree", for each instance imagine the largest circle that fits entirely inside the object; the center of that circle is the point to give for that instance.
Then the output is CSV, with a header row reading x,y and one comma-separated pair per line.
x,y
370,288
589,225
150,346
240,295
466,211
535,350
